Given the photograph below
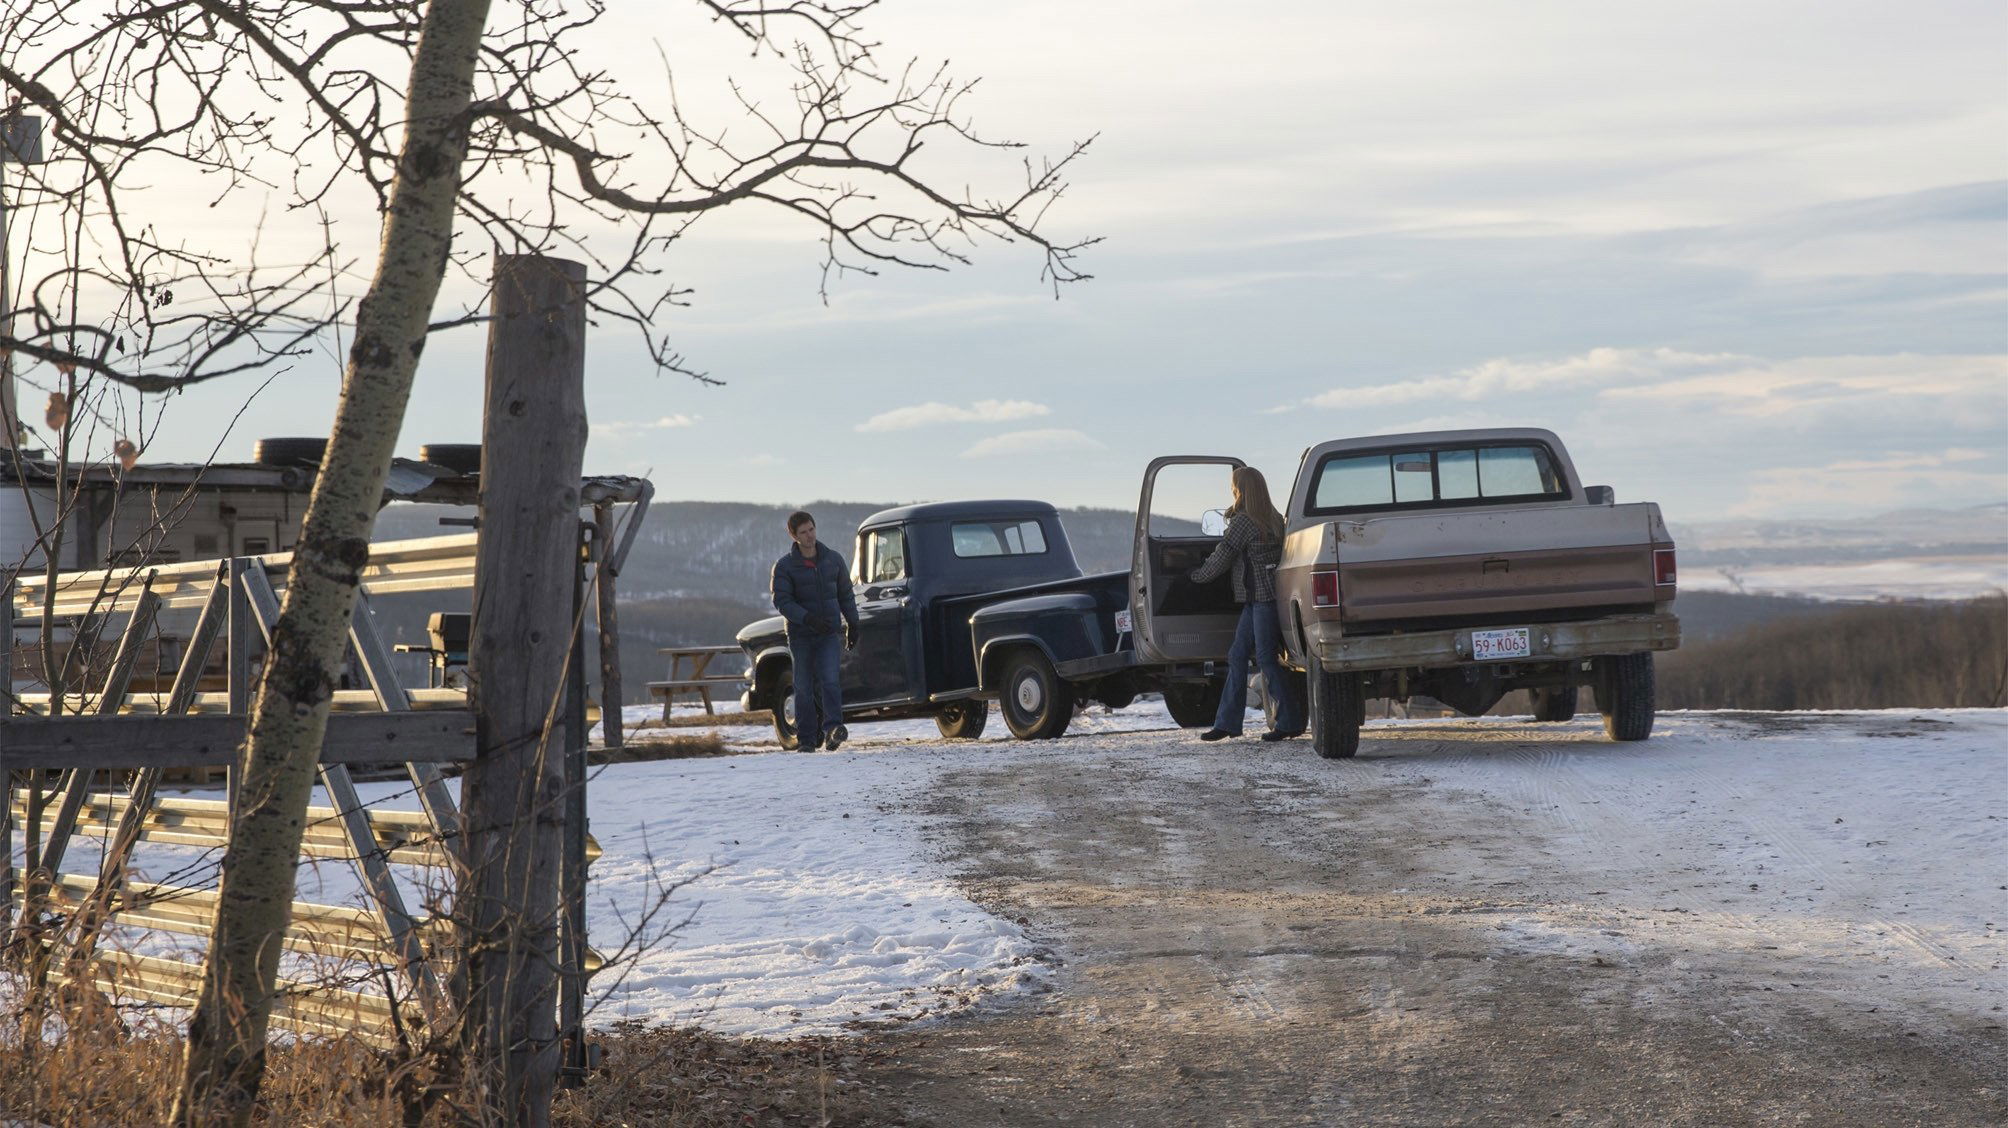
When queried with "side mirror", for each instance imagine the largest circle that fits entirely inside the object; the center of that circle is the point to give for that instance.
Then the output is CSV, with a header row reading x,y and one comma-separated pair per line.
x,y
1213,522
1600,495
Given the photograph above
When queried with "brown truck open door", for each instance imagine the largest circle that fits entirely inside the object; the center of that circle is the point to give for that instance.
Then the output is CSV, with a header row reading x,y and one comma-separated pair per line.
x,y
1176,620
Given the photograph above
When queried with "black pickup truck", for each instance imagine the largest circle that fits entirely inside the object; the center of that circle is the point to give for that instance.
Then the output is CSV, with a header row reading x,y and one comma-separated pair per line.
x,y
960,603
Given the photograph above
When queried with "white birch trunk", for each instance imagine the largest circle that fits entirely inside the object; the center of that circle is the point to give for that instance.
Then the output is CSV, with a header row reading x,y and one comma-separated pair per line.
x,y
226,1038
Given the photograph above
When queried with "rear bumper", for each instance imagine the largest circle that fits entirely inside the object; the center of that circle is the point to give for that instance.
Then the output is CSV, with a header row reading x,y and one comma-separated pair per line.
x,y
1589,638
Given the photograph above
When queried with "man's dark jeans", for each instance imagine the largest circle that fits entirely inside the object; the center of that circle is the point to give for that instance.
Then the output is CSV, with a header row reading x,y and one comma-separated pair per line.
x,y
819,694
1260,636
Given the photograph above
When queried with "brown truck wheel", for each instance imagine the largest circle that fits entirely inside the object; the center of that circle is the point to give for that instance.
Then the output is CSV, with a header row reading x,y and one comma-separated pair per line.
x,y
1552,705
781,701
1036,705
1625,695
1338,705
963,720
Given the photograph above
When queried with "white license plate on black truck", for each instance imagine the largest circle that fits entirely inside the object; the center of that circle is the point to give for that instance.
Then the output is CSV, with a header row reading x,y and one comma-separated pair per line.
x,y
1489,646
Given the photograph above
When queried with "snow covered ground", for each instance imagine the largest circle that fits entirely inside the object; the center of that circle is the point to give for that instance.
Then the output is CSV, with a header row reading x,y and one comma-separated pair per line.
x,y
817,891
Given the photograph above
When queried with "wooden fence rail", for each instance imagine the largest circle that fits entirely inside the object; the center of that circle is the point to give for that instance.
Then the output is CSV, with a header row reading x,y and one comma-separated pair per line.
x,y
386,945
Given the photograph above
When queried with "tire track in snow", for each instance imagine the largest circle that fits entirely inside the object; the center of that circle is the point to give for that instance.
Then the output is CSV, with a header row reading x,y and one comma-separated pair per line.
x,y
1781,838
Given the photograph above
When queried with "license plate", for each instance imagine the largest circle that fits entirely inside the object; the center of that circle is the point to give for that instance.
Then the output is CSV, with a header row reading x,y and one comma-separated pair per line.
x,y
1510,643
1123,622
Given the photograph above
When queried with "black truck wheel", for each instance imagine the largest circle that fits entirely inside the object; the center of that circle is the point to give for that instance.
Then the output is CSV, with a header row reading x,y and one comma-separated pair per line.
x,y
1338,705
1194,704
963,720
1037,705
1625,695
1552,705
781,699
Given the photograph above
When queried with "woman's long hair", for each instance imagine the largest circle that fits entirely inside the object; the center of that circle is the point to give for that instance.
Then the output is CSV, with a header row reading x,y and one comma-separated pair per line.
x,y
1251,496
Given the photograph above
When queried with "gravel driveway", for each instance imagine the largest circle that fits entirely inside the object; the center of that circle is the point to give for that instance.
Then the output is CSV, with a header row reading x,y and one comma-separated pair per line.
x,y
1749,919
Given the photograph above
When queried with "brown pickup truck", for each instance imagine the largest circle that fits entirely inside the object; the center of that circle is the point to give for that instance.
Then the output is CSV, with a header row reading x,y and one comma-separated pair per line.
x,y
1461,565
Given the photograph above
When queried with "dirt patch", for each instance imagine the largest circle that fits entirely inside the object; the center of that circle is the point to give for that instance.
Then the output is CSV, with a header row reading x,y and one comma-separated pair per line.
x,y
1248,936
659,1076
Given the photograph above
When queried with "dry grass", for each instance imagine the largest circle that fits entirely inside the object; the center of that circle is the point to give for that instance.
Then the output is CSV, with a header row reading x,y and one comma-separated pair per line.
x,y
103,1077
706,720
638,748
651,1077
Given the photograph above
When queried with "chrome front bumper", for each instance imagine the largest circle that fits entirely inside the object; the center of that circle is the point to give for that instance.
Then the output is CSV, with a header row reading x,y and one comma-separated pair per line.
x,y
1590,638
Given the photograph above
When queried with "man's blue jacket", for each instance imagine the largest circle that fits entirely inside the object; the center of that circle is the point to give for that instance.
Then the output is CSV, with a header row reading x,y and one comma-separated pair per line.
x,y
804,587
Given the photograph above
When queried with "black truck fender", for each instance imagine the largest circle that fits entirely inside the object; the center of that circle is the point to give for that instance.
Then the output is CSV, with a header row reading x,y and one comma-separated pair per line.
x,y
1063,626
766,654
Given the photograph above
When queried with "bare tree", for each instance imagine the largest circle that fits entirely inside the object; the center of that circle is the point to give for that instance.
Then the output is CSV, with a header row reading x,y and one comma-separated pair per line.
x,y
467,129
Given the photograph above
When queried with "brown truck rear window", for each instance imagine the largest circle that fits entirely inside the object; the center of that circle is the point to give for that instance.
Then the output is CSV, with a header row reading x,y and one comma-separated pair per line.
x,y
1423,479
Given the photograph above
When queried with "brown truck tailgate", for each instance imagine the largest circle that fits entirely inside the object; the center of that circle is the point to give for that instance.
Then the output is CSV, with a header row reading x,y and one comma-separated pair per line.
x,y
1495,562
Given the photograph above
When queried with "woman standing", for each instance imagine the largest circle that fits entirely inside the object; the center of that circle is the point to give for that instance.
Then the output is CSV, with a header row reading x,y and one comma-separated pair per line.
x,y
1252,546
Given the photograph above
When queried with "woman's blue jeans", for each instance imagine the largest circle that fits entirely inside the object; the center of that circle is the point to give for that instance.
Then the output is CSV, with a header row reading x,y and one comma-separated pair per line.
x,y
1260,636
819,695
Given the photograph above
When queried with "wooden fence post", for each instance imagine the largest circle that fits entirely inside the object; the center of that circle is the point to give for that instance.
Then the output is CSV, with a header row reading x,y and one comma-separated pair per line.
x,y
533,439
610,630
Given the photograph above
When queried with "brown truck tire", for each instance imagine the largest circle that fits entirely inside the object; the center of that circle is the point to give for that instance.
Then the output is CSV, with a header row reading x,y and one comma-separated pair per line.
x,y
1552,705
963,720
1036,704
1625,695
1193,705
1338,705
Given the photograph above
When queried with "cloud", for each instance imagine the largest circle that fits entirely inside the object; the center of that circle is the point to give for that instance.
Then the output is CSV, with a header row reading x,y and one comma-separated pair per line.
x,y
931,413
1959,387
1049,440
1660,379
621,427
1597,368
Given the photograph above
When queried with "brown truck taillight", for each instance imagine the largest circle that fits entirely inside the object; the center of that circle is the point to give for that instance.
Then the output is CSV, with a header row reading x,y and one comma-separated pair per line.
x,y
1662,567
1324,589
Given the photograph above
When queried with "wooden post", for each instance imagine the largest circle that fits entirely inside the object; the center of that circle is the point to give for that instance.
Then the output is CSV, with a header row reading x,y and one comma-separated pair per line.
x,y
6,773
533,439
610,629
572,860
237,662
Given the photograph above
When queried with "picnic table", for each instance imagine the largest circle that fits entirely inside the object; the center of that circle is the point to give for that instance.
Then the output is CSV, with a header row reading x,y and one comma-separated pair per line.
x,y
690,674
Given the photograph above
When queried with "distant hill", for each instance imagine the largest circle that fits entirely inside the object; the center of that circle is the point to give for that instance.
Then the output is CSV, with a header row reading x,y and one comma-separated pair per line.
x,y
1978,530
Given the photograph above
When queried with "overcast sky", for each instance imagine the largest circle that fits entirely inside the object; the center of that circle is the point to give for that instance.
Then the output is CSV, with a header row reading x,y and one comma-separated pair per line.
x,y
1747,259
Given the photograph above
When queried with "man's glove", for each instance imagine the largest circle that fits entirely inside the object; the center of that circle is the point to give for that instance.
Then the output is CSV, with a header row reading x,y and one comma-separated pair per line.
x,y
850,636
818,624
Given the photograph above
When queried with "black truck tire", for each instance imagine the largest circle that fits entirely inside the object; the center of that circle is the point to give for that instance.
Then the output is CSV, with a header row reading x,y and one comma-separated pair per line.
x,y
1338,705
963,720
1625,695
781,700
1552,705
1036,704
1192,704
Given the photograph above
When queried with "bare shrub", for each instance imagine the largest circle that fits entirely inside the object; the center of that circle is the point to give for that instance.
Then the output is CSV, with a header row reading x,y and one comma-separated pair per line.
x,y
1879,656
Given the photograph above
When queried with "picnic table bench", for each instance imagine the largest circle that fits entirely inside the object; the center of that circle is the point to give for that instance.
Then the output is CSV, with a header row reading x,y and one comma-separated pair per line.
x,y
690,675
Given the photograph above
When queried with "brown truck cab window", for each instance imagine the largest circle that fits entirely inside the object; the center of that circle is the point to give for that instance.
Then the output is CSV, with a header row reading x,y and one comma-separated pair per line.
x,y
1425,479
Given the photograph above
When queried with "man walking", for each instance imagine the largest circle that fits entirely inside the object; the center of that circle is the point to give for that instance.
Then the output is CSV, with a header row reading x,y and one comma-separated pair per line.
x,y
812,590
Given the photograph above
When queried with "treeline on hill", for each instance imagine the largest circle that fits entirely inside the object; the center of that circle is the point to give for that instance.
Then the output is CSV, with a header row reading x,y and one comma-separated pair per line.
x,y
1909,655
